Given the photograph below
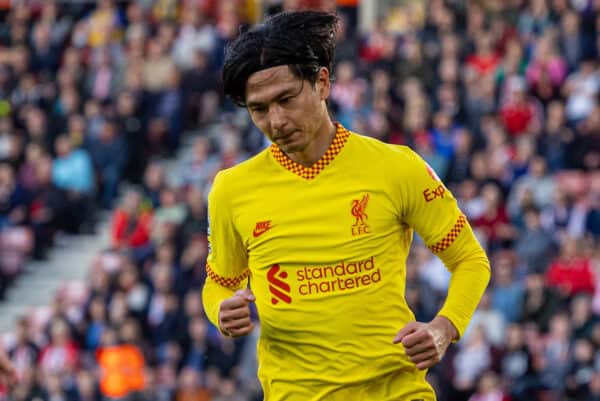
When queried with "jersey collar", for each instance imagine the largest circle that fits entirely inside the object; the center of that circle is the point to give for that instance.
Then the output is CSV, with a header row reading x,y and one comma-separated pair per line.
x,y
309,173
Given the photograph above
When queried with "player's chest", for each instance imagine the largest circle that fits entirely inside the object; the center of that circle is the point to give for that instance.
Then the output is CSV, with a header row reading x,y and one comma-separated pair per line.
x,y
337,213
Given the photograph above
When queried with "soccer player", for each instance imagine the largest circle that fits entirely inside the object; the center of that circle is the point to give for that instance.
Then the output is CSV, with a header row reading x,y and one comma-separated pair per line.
x,y
320,224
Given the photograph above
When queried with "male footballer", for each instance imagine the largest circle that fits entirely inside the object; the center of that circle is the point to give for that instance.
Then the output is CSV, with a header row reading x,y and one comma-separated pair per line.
x,y
320,225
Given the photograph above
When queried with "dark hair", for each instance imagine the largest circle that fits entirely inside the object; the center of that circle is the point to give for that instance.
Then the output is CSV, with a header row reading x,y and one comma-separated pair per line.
x,y
303,40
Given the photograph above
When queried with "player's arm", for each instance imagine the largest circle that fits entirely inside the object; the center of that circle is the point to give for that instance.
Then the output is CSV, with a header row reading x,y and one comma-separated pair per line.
x,y
429,208
225,295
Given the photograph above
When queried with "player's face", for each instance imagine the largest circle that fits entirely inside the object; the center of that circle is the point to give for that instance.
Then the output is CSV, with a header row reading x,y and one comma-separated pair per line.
x,y
292,113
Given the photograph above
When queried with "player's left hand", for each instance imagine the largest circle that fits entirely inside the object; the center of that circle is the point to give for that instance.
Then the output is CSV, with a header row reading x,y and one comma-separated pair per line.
x,y
426,343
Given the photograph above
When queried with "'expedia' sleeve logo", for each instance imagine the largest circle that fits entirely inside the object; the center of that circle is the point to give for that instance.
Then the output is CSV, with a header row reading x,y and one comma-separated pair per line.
x,y
277,286
433,193
358,210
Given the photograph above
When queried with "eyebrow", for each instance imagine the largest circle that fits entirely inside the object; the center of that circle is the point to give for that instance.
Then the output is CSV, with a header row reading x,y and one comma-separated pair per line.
x,y
282,93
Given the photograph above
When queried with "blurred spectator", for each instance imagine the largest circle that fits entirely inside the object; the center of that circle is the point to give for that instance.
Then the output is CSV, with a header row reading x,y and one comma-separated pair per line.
x,y
25,352
555,358
131,223
538,181
581,88
109,154
535,245
506,292
122,367
472,359
571,273
189,387
488,389
540,302
61,355
72,171
490,320
516,365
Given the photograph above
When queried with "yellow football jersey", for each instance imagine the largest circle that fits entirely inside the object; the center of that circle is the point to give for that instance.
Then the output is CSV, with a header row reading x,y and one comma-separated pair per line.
x,y
325,250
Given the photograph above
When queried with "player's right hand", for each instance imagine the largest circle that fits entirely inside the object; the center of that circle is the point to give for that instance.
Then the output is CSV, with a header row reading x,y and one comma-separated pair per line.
x,y
234,314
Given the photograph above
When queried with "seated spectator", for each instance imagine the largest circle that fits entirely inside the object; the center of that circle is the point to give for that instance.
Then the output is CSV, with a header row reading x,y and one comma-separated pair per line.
x,y
583,317
154,182
535,245
556,136
109,154
592,220
96,323
198,168
538,181
558,217
516,365
485,60
581,370
24,352
571,272
15,235
473,358
14,199
190,388
122,367
131,223
490,320
49,206
520,114
507,290
581,88
494,222
540,302
60,355
489,388
168,216
86,387
556,358
546,64
73,172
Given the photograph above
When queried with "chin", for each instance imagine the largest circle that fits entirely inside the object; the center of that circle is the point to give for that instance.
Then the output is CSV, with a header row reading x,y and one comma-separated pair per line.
x,y
292,148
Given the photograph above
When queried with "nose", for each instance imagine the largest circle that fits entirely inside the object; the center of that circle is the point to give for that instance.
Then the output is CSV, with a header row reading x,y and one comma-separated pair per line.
x,y
277,119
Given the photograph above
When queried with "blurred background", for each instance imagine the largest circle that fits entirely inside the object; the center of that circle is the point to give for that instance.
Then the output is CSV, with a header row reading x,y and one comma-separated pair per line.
x,y
113,124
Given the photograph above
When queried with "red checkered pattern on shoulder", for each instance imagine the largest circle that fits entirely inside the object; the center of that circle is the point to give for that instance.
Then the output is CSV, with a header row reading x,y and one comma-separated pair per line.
x,y
309,173
229,282
445,242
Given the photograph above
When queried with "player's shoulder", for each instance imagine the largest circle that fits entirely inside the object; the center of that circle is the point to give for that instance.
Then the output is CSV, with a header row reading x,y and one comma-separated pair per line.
x,y
244,171
382,150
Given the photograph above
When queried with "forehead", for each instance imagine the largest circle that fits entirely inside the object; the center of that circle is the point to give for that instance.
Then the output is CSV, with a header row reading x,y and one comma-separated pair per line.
x,y
265,85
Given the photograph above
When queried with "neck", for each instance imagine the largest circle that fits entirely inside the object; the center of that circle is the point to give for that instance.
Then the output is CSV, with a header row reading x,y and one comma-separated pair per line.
x,y
318,146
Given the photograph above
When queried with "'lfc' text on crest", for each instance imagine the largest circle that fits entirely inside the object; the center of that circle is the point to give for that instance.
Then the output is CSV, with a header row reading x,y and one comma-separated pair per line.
x,y
358,210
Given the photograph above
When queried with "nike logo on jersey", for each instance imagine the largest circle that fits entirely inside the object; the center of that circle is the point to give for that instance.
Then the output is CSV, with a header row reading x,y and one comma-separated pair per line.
x,y
261,228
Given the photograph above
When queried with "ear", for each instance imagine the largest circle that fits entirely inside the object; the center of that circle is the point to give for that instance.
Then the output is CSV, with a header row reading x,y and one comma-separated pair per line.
x,y
323,83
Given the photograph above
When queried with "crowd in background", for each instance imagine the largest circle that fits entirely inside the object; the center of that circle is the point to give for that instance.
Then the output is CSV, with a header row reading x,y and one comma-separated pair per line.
x,y
501,98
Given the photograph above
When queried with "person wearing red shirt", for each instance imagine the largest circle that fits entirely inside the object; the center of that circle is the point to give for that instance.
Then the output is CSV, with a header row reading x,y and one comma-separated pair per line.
x,y
494,222
519,114
131,226
485,60
571,272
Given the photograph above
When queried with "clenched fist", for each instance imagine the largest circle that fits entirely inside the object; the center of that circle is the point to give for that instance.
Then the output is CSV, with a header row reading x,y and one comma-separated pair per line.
x,y
426,343
234,314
